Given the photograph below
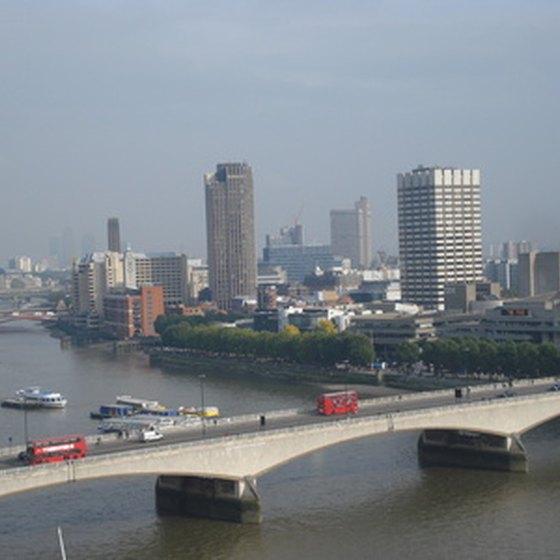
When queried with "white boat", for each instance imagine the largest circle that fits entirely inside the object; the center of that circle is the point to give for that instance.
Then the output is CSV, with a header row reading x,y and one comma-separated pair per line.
x,y
44,399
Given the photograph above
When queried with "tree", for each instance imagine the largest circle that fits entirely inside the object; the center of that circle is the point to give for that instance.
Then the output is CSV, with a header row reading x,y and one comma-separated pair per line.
x,y
408,353
326,326
291,330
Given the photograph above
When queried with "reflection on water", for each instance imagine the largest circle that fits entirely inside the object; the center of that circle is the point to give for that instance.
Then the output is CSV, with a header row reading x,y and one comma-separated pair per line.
x,y
365,499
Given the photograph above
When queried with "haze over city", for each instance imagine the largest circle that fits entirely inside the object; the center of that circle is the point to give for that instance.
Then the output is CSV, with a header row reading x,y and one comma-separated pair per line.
x,y
118,108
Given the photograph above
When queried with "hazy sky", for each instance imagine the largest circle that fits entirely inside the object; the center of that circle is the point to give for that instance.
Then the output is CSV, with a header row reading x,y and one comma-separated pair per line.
x,y
118,108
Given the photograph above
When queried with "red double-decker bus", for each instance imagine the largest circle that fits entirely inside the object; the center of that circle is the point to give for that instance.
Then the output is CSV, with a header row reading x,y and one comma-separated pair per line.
x,y
52,450
344,402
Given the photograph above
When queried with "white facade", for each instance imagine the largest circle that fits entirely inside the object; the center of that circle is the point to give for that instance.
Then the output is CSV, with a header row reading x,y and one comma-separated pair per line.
x,y
440,239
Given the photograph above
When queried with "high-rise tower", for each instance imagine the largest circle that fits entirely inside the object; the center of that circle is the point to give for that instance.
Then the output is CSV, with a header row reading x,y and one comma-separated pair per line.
x,y
439,232
113,235
351,233
230,233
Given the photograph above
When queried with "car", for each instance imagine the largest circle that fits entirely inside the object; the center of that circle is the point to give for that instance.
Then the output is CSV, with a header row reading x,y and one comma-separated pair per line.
x,y
506,394
555,387
150,435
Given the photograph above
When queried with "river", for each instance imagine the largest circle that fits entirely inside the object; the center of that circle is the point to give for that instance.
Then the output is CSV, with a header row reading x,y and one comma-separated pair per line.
x,y
366,499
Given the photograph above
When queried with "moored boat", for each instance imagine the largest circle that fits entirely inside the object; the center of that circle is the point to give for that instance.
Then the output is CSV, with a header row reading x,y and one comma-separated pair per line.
x,y
33,397
113,411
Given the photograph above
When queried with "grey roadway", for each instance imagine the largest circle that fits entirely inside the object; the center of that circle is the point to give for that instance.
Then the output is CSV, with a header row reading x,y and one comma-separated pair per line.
x,y
283,419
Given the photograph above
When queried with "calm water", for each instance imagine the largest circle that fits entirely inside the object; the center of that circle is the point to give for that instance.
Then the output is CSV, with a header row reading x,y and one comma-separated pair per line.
x,y
367,499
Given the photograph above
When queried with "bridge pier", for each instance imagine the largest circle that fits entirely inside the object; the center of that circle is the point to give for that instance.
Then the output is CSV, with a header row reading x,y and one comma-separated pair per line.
x,y
475,450
210,498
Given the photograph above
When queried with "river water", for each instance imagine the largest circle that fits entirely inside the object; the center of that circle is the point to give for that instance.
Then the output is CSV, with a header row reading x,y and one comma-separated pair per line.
x,y
366,499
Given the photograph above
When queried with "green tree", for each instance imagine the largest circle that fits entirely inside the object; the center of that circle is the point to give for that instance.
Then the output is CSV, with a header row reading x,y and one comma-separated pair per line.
x,y
407,353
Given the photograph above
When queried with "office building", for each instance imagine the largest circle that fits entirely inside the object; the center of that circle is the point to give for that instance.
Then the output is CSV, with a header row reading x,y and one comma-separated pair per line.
x,y
230,233
288,252
92,277
113,235
439,232
539,273
351,234
169,270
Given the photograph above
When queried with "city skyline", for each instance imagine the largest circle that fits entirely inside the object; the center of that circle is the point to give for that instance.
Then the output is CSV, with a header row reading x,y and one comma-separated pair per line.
x,y
321,99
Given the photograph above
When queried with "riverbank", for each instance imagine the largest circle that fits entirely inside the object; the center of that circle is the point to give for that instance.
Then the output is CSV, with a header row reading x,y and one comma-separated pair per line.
x,y
199,362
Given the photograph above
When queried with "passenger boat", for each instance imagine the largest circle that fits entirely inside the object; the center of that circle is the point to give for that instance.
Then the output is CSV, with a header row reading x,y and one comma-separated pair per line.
x,y
36,398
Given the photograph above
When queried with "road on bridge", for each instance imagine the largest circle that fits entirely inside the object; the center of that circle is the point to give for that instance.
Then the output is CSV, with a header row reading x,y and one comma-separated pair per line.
x,y
371,407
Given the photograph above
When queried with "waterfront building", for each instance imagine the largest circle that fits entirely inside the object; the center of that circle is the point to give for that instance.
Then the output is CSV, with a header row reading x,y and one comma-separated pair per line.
x,y
113,235
439,232
129,313
351,234
230,227
169,270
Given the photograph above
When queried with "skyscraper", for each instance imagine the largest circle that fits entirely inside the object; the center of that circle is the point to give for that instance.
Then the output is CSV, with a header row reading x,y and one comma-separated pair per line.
x,y
351,233
230,233
439,232
113,235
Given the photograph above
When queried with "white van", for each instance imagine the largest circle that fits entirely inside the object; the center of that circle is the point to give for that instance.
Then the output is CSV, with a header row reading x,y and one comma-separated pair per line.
x,y
150,435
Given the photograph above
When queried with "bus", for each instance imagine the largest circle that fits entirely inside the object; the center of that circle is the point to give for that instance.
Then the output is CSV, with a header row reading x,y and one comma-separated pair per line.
x,y
343,402
52,450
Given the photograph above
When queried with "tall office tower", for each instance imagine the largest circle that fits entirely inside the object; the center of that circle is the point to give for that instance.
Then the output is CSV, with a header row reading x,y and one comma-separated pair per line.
x,y
113,235
439,232
351,233
230,233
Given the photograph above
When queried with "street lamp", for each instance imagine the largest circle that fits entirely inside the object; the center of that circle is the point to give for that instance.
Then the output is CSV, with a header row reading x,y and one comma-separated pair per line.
x,y
25,428
202,412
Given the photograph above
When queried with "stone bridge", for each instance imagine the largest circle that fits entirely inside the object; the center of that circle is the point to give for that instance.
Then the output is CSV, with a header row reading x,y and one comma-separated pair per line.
x,y
216,477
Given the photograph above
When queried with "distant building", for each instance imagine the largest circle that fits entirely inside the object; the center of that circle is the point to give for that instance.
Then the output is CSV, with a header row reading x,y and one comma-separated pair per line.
x,y
439,232
539,273
512,249
197,278
88,243
92,277
21,264
351,234
505,272
68,248
287,251
113,235
230,227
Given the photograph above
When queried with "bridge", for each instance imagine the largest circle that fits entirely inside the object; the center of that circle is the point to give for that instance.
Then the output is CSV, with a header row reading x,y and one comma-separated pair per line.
x,y
213,474
35,314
